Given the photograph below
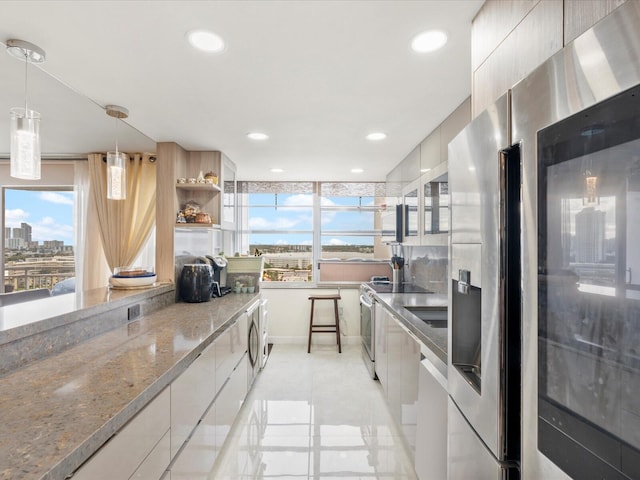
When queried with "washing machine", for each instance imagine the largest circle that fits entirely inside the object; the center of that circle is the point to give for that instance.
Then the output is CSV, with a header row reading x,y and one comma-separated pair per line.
x,y
253,343
264,333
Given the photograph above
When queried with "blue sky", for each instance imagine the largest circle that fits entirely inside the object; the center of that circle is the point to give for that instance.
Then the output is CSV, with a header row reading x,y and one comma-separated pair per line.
x,y
50,213
294,212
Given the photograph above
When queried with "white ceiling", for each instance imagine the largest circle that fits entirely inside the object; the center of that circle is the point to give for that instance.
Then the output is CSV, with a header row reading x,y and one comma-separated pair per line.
x,y
316,76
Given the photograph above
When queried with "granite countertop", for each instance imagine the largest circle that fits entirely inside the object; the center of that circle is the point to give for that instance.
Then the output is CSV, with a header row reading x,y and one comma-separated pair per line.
x,y
27,318
436,339
58,411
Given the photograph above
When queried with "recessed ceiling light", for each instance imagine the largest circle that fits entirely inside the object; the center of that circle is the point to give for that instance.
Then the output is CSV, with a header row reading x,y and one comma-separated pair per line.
x,y
357,170
277,170
425,170
206,41
257,136
376,136
429,41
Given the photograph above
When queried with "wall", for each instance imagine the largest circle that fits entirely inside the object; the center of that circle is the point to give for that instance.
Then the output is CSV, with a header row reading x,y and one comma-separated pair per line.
x,y
428,267
510,38
289,310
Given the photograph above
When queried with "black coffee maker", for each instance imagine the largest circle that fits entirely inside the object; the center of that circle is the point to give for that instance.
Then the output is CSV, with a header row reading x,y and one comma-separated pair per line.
x,y
219,265
196,282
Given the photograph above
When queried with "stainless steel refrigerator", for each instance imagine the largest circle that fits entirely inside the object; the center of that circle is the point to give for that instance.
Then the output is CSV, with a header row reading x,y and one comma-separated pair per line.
x,y
485,293
544,370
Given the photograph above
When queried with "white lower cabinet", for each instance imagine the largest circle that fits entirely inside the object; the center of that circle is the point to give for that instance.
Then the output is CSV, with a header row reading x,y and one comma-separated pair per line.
x,y
380,341
197,459
409,396
230,346
143,438
156,462
188,422
230,400
431,440
191,394
398,372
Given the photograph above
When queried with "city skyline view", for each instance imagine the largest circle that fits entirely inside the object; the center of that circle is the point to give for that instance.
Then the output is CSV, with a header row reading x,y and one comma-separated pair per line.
x,y
49,213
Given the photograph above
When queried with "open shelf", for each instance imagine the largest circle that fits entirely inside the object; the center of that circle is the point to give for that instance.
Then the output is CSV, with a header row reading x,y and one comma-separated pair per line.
x,y
198,187
197,225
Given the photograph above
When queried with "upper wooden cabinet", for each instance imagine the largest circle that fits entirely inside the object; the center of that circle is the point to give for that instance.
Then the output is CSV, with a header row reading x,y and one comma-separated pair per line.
x,y
218,200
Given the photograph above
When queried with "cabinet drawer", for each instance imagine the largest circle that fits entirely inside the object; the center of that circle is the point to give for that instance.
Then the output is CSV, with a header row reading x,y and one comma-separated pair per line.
x,y
197,459
230,400
156,462
230,346
125,451
191,394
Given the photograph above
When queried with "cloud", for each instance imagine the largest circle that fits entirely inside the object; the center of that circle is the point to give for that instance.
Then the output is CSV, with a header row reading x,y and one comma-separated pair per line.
x,y
47,221
336,241
299,200
260,223
12,218
53,231
57,197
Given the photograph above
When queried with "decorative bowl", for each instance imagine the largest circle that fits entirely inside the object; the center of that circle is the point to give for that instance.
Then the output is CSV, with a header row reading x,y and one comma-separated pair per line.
x,y
139,281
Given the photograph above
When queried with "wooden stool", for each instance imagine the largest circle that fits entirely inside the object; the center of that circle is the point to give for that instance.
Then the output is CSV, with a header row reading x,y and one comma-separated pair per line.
x,y
328,328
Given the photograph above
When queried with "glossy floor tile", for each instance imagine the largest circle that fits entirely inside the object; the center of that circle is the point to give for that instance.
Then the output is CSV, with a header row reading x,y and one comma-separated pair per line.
x,y
314,416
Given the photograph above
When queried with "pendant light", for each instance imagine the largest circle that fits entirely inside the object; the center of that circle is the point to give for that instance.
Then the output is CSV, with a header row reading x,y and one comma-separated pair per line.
x,y
25,123
116,161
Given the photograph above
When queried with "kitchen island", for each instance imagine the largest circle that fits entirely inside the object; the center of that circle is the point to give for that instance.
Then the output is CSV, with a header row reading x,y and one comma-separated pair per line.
x,y
57,411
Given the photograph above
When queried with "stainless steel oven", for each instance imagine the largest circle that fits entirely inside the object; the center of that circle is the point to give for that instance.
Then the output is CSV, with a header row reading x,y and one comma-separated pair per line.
x,y
367,327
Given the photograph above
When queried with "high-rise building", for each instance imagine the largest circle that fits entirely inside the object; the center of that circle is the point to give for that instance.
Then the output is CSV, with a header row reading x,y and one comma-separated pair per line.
x,y
26,232
7,232
15,243
590,227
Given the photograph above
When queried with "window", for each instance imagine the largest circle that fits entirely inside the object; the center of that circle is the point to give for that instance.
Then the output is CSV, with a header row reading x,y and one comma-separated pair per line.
x,y
38,238
296,224
348,219
277,221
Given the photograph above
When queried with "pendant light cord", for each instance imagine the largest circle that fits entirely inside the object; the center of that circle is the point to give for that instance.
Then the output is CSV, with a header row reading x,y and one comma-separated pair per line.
x,y
26,71
116,136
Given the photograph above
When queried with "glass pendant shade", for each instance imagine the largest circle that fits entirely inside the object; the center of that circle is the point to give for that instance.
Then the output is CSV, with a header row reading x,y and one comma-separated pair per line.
x,y
25,144
590,190
25,123
116,176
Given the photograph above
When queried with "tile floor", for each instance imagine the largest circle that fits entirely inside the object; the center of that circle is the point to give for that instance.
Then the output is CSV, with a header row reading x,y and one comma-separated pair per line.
x,y
314,416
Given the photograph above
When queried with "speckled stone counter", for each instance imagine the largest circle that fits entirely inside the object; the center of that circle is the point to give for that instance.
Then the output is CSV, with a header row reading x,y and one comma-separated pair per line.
x,y
58,411
434,338
32,330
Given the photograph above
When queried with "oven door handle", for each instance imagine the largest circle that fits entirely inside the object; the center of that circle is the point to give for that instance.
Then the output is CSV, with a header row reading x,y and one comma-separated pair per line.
x,y
366,301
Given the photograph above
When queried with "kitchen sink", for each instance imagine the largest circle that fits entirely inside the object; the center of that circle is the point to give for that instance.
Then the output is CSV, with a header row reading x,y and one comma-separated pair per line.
x,y
435,317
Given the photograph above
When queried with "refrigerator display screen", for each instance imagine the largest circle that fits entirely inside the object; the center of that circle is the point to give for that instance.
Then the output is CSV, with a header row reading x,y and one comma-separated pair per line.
x,y
589,290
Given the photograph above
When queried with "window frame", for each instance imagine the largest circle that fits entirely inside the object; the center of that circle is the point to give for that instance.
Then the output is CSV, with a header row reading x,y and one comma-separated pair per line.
x,y
377,188
31,188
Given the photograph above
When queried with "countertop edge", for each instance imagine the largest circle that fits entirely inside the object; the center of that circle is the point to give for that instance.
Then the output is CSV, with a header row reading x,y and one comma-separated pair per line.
x,y
39,326
436,342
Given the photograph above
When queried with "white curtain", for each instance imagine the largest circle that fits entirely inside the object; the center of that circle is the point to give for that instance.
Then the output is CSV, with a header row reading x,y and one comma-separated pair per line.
x,y
125,225
81,191
92,270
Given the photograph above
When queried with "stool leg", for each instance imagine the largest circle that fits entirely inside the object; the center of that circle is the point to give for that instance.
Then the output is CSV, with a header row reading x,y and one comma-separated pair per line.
x,y
310,326
335,308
